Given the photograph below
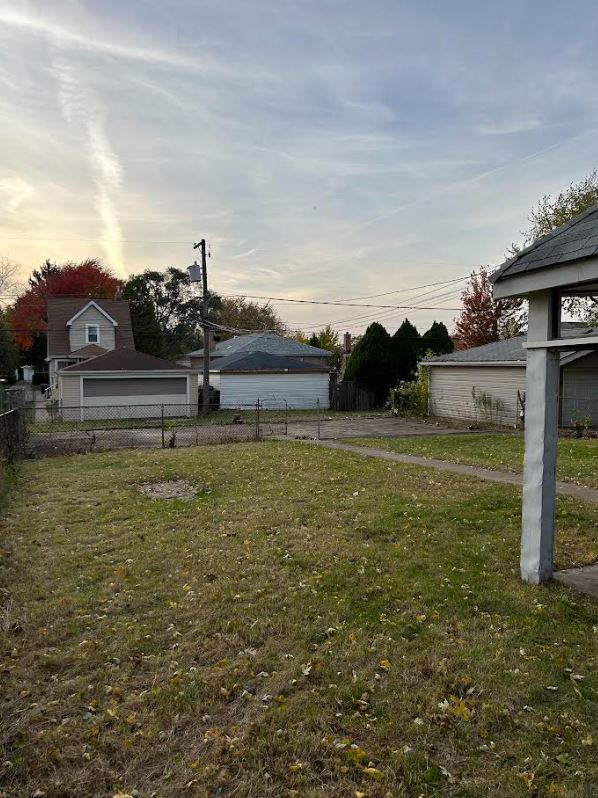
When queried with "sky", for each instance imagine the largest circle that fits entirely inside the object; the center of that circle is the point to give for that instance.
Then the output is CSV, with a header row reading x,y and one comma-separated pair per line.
x,y
326,149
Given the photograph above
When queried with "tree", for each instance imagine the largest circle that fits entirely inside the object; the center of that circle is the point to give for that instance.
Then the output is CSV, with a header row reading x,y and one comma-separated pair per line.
x,y
8,276
9,354
166,312
437,340
89,278
243,315
327,338
552,212
370,362
406,351
483,318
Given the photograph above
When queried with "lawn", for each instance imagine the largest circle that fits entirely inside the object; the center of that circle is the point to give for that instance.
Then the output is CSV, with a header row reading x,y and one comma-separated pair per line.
x,y
312,623
577,459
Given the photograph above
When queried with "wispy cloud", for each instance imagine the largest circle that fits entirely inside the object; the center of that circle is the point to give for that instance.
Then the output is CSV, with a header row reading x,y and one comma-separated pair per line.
x,y
314,145
80,109
72,38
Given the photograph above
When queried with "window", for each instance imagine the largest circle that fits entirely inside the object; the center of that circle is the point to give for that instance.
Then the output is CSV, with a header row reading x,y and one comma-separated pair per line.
x,y
62,364
93,333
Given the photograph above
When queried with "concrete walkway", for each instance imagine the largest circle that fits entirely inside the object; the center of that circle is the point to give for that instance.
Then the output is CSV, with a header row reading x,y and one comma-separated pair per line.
x,y
504,477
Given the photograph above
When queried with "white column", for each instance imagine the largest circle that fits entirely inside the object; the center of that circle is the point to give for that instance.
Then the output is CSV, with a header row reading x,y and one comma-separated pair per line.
x,y
541,434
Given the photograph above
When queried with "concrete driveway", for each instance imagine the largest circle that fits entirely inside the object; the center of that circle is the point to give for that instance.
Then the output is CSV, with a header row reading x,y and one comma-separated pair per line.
x,y
376,427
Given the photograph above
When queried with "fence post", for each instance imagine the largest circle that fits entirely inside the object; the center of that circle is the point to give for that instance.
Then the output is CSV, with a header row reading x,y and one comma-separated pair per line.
x,y
319,423
162,422
286,417
257,420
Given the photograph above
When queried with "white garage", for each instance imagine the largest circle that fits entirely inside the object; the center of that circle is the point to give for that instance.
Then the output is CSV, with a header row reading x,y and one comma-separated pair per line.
x,y
487,383
275,380
126,384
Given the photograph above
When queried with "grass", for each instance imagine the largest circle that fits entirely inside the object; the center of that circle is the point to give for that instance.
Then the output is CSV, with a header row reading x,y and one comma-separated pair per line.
x,y
217,417
577,459
313,623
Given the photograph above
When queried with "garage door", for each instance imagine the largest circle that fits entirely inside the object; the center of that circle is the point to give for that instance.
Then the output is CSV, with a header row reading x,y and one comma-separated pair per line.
x,y
274,390
134,397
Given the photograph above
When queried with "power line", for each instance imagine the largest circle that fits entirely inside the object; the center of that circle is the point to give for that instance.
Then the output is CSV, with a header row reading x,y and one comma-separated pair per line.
x,y
325,302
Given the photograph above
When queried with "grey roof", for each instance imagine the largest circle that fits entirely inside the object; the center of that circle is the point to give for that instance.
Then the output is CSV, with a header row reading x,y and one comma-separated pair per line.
x,y
510,349
574,240
124,360
263,342
264,361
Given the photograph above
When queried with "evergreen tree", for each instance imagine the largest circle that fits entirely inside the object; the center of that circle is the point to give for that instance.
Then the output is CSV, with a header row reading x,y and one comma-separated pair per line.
x,y
314,340
437,340
369,364
406,351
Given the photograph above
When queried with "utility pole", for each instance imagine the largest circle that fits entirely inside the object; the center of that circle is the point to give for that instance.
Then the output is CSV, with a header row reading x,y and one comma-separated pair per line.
x,y
204,323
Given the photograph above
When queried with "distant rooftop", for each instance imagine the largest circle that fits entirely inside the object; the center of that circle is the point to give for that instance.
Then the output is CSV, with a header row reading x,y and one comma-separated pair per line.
x,y
263,342
510,349
264,362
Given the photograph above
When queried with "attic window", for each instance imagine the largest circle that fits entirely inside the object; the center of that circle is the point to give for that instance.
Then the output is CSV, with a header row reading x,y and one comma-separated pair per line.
x,y
92,333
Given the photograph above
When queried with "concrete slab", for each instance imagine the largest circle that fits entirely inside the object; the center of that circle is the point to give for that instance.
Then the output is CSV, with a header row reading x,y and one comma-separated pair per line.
x,y
584,579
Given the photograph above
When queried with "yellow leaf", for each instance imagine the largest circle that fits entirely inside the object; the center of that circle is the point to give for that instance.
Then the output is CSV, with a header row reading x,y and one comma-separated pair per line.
x,y
385,664
587,740
459,708
355,754
359,794
373,773
296,767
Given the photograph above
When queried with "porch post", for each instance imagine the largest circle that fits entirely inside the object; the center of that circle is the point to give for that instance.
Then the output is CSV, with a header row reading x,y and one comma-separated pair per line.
x,y
541,433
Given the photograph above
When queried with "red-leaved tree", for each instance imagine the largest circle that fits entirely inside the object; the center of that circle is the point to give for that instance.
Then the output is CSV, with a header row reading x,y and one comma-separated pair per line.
x,y
90,278
485,319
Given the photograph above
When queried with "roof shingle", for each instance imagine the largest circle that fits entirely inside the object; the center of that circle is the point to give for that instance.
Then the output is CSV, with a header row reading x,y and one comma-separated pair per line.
x,y
264,361
574,240
263,342
124,360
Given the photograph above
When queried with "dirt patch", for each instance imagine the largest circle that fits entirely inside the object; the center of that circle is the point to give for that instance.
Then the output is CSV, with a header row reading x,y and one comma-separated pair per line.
x,y
174,489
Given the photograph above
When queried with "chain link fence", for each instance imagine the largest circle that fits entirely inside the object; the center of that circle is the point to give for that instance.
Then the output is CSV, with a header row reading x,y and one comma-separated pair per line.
x,y
79,429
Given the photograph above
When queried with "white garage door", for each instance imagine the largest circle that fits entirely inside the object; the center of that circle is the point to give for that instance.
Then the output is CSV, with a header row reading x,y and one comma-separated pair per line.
x,y
300,391
134,397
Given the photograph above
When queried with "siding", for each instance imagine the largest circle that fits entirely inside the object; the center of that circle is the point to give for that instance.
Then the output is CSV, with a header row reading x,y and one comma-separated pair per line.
x,y
91,316
69,387
452,390
580,391
298,390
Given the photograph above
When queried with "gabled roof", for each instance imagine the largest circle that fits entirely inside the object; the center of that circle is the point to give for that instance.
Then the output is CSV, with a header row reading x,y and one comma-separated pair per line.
x,y
263,342
61,310
575,240
90,350
510,350
92,304
124,360
264,362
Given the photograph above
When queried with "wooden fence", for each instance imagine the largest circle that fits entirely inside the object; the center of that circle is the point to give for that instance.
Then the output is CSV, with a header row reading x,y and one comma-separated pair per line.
x,y
350,396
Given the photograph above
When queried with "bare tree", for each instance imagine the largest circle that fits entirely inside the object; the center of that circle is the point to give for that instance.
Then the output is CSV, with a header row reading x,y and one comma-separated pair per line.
x,y
8,277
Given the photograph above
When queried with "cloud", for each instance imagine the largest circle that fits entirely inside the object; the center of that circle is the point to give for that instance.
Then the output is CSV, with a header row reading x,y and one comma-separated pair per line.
x,y
80,109
14,192
74,39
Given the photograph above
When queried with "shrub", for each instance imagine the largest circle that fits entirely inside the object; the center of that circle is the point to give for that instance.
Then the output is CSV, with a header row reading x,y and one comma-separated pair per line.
x,y
410,398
